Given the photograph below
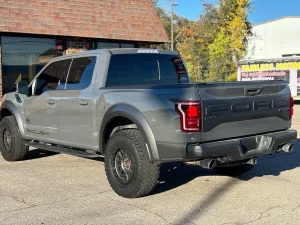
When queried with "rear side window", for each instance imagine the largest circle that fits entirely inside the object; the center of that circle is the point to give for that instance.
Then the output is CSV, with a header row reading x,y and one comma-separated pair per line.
x,y
81,73
143,69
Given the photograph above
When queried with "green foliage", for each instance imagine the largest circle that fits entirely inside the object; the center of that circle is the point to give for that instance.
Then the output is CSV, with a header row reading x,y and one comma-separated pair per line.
x,y
220,59
231,77
230,43
194,52
213,45
195,41
179,24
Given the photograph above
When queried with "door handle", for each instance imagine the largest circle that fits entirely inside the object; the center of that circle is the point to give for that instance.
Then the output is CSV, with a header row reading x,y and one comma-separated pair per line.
x,y
50,101
83,102
253,91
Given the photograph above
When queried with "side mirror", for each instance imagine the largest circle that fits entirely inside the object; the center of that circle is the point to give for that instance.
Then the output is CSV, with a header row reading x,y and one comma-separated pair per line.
x,y
22,87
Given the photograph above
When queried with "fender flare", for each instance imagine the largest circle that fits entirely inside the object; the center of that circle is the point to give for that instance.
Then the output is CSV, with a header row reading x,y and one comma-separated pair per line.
x,y
138,119
14,111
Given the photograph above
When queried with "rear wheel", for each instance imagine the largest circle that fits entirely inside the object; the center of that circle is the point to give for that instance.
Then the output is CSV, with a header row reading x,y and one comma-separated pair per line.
x,y
12,146
234,170
127,165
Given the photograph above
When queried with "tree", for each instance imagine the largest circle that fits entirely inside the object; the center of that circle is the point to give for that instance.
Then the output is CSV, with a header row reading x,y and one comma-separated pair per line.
x,y
213,45
193,51
179,23
220,58
195,40
230,43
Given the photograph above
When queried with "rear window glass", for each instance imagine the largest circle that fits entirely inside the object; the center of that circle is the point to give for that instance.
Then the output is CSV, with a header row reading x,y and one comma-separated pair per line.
x,y
143,69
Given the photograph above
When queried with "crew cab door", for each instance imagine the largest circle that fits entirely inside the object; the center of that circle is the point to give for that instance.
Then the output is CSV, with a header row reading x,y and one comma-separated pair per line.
x,y
40,108
74,104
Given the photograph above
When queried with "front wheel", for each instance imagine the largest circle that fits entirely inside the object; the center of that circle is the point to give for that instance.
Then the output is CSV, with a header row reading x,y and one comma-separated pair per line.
x,y
127,165
12,146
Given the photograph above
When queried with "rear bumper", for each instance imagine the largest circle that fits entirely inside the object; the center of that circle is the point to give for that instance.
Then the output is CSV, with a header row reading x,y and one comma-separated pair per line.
x,y
232,150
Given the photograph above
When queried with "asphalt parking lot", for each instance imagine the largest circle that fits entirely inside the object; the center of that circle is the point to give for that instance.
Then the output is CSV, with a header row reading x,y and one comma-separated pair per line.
x,y
52,188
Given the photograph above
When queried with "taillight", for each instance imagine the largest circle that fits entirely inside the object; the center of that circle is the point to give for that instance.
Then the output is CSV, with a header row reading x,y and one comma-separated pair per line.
x,y
291,107
190,116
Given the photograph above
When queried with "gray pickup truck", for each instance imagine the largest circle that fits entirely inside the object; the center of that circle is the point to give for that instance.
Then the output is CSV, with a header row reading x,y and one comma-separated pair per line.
x,y
138,108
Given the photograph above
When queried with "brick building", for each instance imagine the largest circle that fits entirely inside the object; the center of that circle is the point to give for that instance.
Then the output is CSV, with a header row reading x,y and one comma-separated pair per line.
x,y
35,31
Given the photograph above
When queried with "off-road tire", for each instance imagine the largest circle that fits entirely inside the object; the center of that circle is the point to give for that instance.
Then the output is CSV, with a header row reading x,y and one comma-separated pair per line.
x,y
145,174
234,170
18,149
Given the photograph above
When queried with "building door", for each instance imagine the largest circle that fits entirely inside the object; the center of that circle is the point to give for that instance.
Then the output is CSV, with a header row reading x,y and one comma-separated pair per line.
x,y
74,105
40,108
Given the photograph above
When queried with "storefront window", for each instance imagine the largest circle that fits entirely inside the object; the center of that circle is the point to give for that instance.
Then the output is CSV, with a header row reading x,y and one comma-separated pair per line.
x,y
107,45
127,45
23,58
102,45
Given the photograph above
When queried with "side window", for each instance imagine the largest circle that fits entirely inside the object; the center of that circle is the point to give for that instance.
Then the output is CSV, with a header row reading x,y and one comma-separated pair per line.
x,y
173,66
81,73
146,69
53,77
133,72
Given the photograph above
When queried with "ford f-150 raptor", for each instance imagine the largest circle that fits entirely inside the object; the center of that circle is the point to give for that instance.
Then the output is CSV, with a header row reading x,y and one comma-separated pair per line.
x,y
138,108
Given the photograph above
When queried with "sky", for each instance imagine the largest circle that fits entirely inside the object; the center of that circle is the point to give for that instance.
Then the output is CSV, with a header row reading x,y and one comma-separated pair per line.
x,y
263,10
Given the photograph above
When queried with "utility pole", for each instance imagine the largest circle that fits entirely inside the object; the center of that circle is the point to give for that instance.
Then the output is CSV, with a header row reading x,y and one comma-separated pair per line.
x,y
172,25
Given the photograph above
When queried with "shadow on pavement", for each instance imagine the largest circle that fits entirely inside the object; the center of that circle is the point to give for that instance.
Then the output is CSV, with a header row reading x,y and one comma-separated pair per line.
x,y
100,159
297,101
37,154
202,206
174,175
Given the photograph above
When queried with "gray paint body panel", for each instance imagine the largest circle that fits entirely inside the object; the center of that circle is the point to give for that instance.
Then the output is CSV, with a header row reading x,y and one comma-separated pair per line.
x,y
12,105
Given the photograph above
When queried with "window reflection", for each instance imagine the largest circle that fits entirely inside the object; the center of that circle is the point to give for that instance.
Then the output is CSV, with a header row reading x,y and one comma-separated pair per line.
x,y
108,45
126,45
23,58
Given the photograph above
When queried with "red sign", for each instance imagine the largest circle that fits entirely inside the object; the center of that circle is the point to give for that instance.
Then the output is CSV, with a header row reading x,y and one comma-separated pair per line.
x,y
59,47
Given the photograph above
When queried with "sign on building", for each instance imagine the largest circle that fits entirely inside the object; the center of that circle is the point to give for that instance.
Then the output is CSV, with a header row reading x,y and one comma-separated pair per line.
x,y
287,69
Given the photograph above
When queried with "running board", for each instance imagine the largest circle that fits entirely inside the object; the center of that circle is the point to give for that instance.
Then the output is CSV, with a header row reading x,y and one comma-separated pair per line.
x,y
59,149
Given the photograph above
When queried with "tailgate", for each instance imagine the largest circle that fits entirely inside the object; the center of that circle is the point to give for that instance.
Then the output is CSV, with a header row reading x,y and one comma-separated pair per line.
x,y
231,110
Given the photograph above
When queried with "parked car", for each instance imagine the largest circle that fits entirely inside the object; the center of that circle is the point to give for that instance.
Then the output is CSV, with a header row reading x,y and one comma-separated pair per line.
x,y
138,108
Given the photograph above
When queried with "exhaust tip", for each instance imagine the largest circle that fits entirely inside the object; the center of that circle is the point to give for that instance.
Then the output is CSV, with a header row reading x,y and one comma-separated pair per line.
x,y
288,147
207,163
212,164
252,161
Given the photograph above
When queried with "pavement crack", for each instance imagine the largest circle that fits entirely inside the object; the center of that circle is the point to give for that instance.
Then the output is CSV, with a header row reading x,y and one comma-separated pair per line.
x,y
15,198
297,207
78,197
264,214
14,210
43,204
153,213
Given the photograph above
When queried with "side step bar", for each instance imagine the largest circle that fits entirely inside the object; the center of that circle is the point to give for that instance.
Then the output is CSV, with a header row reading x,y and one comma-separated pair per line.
x,y
60,149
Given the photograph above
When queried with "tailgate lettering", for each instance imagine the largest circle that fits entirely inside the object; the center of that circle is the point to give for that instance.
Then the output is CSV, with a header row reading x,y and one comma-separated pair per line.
x,y
262,105
212,111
